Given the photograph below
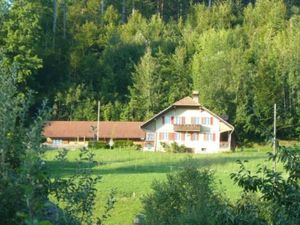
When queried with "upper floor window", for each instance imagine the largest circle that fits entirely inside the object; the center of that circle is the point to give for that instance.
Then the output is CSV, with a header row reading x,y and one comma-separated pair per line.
x,y
195,120
205,120
179,120
167,120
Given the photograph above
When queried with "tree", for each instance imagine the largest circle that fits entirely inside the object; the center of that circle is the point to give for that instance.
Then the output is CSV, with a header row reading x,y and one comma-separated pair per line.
x,y
22,38
145,93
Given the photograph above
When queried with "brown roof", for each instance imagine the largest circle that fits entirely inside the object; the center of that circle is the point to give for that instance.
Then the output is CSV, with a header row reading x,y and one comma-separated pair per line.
x,y
187,101
88,129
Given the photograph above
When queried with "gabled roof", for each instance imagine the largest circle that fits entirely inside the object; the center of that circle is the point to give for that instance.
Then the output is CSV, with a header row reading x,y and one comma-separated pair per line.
x,y
88,129
187,102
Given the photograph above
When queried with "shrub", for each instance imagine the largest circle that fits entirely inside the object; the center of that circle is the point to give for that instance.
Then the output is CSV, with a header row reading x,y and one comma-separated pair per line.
x,y
97,144
175,148
123,143
187,197
280,194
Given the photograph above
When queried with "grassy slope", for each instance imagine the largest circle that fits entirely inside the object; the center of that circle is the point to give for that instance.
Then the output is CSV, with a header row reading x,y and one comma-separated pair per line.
x,y
131,174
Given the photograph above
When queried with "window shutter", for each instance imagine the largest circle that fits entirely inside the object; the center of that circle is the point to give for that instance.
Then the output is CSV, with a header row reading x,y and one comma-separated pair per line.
x,y
183,120
173,136
211,120
182,136
193,120
214,137
160,136
197,136
172,119
202,120
163,120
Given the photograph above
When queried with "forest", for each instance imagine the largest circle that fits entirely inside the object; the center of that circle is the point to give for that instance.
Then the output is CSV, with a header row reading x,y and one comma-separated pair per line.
x,y
139,56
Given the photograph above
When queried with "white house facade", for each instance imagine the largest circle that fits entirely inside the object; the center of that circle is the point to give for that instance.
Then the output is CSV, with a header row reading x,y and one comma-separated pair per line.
x,y
188,123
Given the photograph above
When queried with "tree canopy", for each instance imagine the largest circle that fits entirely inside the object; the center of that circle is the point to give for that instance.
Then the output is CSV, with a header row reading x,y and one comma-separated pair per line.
x,y
137,57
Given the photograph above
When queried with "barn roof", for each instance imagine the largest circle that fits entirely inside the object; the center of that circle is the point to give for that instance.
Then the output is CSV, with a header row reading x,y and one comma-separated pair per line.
x,y
88,129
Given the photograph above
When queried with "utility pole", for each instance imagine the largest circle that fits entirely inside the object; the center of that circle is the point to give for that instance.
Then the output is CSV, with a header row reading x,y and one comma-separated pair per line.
x,y
274,137
98,119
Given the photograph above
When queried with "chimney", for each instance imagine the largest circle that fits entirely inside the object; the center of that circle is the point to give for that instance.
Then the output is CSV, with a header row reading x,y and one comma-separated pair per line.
x,y
195,96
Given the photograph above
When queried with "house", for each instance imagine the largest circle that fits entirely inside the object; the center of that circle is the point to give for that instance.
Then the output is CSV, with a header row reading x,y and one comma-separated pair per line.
x,y
74,133
188,123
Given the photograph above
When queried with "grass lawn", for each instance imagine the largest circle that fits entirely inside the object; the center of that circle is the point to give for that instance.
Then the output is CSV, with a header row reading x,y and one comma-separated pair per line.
x,y
131,174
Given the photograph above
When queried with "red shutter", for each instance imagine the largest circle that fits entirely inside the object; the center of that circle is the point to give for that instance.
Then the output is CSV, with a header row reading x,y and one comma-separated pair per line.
x,y
183,120
160,136
211,120
214,137
193,120
163,120
172,119
202,120
197,136
182,136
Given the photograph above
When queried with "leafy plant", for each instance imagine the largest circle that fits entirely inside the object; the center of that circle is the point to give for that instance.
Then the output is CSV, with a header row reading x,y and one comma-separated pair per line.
x,y
187,197
281,191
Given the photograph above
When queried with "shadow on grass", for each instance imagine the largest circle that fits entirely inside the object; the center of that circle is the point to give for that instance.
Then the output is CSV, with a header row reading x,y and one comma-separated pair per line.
x,y
68,168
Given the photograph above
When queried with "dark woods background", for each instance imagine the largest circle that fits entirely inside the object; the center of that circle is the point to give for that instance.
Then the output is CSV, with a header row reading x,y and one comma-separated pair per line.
x,y
139,56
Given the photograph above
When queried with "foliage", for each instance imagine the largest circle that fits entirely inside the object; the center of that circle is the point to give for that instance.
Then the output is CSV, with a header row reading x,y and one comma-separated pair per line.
x,y
175,148
78,192
138,57
280,191
187,197
23,183
123,143
97,144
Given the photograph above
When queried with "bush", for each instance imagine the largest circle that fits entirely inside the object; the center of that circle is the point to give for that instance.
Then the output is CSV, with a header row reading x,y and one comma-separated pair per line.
x,y
97,144
280,193
187,197
123,143
175,148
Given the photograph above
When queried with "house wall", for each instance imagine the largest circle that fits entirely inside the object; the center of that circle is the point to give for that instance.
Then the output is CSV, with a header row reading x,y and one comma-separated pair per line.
x,y
199,145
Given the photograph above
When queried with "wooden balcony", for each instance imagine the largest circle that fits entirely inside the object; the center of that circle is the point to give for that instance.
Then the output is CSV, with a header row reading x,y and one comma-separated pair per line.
x,y
187,127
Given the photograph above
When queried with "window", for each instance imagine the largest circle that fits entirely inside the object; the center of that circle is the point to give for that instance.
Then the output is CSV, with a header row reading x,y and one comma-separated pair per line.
x,y
194,136
165,136
167,120
205,120
197,120
177,136
209,137
150,137
177,120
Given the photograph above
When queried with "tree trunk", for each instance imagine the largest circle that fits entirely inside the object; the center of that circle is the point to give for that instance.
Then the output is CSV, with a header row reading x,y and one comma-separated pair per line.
x,y
162,8
65,21
54,20
124,11
102,6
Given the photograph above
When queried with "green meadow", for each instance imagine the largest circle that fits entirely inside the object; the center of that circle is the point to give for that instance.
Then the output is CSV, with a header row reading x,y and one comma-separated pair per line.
x,y
131,173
